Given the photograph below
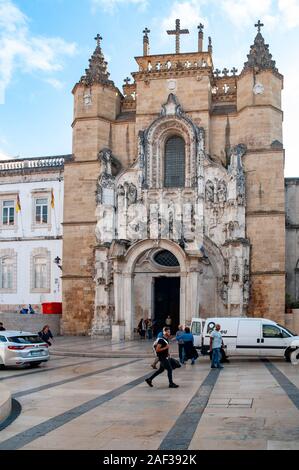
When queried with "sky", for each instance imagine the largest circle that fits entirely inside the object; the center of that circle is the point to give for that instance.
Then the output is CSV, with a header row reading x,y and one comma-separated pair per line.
x,y
45,46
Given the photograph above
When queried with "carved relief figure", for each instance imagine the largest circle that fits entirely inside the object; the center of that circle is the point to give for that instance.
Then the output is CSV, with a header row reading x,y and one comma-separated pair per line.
x,y
209,191
132,194
105,156
221,192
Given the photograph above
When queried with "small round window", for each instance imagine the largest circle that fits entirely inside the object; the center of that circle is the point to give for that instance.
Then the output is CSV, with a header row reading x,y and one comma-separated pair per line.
x,y
166,258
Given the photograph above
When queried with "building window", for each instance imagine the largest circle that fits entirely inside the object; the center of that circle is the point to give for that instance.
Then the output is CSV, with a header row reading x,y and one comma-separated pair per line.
x,y
6,278
40,273
8,271
8,212
174,168
41,211
166,258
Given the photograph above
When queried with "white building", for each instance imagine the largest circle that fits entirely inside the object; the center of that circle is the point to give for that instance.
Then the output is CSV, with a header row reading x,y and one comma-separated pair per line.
x,y
31,212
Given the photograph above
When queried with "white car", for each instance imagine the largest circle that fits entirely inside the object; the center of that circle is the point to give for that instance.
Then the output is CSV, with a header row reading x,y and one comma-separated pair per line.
x,y
18,348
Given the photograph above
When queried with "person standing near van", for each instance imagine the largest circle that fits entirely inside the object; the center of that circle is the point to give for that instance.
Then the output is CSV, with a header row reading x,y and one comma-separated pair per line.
x,y
216,343
180,341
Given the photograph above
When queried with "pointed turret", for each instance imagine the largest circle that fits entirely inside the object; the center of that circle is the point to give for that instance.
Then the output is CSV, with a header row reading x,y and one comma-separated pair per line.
x,y
97,71
259,57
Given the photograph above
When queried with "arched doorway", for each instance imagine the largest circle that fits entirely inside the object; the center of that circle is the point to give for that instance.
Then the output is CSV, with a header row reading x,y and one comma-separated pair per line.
x,y
157,288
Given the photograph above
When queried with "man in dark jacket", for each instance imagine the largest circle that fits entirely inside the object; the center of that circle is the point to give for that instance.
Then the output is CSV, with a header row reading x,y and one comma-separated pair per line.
x,y
162,351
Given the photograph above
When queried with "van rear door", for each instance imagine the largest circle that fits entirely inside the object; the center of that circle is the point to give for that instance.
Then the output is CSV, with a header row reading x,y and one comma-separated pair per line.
x,y
249,337
196,329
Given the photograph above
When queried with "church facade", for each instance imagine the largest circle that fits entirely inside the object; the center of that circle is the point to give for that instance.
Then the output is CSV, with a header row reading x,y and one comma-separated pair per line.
x,y
174,199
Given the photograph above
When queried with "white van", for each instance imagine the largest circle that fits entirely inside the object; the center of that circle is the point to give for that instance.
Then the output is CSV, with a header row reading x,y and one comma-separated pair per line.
x,y
247,337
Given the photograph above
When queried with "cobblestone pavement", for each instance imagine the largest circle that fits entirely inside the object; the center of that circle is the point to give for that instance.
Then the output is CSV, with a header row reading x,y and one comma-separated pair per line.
x,y
92,395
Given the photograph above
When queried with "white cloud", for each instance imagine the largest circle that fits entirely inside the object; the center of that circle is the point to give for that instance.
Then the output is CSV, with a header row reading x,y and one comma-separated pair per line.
x,y
189,12
4,155
57,84
111,5
20,50
244,12
290,12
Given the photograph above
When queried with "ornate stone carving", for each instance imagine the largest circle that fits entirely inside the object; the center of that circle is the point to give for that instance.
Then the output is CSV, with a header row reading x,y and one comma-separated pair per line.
x,y
97,70
236,271
236,171
106,182
132,194
105,156
221,192
209,192
259,57
171,107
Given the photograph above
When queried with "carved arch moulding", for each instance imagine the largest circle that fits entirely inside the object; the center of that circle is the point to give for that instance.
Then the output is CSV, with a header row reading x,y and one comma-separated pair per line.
x,y
171,122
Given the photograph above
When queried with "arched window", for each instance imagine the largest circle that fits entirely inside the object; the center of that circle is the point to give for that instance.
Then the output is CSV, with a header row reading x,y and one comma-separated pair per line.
x,y
174,166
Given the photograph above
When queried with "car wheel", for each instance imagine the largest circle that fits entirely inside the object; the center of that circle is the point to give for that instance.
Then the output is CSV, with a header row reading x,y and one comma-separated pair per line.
x,y
294,356
287,356
34,364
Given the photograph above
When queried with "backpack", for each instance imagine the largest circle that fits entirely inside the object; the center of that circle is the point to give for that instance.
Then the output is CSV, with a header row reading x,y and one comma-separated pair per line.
x,y
155,343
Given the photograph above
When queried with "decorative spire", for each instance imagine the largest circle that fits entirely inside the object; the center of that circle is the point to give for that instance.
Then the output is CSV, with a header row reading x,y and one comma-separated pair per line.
x,y
146,41
97,70
200,28
259,57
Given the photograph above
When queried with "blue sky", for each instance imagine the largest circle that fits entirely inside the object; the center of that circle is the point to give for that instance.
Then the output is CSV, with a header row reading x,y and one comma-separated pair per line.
x,y
45,46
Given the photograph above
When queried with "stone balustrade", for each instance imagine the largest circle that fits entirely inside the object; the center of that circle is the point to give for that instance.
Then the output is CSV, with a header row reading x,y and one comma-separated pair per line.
x,y
34,163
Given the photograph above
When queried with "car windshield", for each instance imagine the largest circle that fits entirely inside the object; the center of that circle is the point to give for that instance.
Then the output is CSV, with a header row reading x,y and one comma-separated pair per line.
x,y
31,339
286,329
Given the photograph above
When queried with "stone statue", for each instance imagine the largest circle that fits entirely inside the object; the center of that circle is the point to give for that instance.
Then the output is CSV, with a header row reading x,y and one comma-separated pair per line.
x,y
209,191
105,156
221,192
132,194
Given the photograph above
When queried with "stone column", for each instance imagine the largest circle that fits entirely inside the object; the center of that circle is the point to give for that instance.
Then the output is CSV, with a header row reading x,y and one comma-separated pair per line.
x,y
128,305
118,327
183,298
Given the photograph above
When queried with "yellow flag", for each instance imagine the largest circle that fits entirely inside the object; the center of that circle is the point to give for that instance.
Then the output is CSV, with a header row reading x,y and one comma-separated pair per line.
x,y
52,199
18,205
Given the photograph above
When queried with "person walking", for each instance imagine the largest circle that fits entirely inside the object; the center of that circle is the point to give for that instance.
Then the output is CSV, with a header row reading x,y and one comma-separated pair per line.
x,y
2,327
149,329
45,334
216,343
180,341
168,322
162,350
142,328
154,364
189,349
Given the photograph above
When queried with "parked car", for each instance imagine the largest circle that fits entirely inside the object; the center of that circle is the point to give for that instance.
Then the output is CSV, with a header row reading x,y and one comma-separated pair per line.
x,y
247,337
18,348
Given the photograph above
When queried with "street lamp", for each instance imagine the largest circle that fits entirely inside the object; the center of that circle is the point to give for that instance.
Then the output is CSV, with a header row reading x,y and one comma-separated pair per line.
x,y
57,261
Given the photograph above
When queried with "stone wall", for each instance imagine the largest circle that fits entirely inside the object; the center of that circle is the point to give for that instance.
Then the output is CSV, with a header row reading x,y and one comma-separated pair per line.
x,y
30,323
292,237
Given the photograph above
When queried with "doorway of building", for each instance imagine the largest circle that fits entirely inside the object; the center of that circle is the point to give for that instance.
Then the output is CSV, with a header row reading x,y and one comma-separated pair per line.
x,y
166,302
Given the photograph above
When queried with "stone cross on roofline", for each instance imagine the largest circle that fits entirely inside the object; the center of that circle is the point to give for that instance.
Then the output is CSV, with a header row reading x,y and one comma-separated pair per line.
x,y
146,31
177,32
98,38
200,27
259,25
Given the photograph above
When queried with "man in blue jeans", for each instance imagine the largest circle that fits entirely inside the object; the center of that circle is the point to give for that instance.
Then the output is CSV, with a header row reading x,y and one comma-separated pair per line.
x,y
215,346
